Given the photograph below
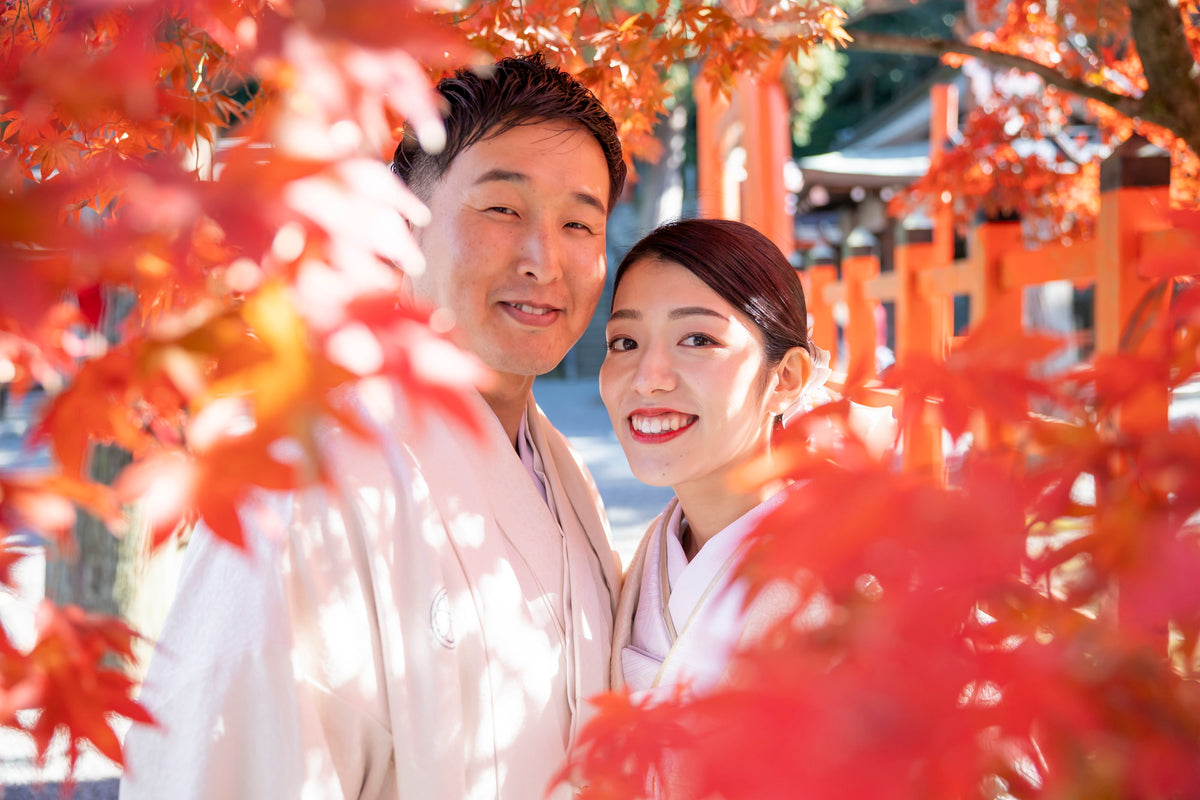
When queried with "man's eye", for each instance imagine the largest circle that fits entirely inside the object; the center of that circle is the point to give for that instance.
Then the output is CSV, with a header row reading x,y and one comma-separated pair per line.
x,y
502,210
699,340
620,344
579,226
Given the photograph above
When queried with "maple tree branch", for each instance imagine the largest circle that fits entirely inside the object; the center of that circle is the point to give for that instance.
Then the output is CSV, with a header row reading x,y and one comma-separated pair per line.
x,y
877,8
911,45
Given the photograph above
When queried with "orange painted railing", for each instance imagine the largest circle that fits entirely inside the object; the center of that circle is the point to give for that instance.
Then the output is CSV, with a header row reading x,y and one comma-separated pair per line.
x,y
742,147
1134,223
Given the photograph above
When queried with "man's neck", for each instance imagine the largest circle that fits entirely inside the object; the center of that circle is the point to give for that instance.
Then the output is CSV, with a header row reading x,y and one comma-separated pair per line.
x,y
507,396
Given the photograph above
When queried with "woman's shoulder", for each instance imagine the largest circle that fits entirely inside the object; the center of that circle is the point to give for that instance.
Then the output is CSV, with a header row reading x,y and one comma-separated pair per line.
x,y
639,555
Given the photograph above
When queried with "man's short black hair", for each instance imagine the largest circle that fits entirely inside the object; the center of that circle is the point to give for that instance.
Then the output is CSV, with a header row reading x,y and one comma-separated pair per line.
x,y
481,104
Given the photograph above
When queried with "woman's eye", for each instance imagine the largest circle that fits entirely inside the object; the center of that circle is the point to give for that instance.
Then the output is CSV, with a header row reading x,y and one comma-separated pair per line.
x,y
619,344
579,226
699,340
502,210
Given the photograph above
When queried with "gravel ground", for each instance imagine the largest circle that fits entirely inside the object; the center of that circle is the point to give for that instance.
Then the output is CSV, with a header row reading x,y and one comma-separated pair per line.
x,y
96,778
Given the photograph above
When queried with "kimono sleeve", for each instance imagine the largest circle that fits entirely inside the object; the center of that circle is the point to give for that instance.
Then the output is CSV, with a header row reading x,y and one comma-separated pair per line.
x,y
238,716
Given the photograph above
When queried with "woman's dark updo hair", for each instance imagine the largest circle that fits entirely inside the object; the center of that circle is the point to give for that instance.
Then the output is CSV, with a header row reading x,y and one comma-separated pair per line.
x,y
741,265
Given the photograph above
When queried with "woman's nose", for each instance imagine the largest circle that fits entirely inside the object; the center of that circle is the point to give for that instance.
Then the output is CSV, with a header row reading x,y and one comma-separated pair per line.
x,y
655,371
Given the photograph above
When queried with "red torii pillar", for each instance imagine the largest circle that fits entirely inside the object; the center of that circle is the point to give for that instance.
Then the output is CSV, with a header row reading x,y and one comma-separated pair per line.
x,y
761,107
768,145
1134,199
924,323
713,111
816,278
996,299
860,266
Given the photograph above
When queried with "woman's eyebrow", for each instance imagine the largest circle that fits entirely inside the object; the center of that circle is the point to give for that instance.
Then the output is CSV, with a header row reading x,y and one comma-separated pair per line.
x,y
675,313
692,311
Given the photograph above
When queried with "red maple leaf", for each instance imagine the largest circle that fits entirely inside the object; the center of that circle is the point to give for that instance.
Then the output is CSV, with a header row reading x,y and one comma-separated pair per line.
x,y
95,407
625,749
434,374
989,374
46,505
65,677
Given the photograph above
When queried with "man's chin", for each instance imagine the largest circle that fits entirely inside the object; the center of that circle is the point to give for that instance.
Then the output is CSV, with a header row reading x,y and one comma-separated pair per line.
x,y
528,365
517,370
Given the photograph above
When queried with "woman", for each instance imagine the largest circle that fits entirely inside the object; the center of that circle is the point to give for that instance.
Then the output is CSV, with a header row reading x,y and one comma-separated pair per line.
x,y
708,353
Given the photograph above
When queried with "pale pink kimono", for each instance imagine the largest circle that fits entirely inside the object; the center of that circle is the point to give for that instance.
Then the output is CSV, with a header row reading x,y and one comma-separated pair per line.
x,y
431,628
679,622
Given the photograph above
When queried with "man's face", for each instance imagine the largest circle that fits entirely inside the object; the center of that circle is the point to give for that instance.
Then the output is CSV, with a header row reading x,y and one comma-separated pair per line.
x,y
516,246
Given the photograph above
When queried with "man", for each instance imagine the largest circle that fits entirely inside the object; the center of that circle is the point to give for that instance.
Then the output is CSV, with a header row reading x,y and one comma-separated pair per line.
x,y
433,627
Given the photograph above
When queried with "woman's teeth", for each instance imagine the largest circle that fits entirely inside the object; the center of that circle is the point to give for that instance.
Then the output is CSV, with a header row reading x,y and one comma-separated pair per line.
x,y
662,423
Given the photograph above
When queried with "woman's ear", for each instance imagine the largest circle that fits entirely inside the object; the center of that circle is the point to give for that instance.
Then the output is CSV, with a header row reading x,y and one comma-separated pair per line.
x,y
791,376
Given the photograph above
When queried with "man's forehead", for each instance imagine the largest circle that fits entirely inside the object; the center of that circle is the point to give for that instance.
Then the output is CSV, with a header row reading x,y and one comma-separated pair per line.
x,y
516,156
517,141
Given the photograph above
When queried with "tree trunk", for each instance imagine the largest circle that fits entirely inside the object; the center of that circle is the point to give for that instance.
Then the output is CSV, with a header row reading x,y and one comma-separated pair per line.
x,y
88,578
1171,101
1172,98
96,576
660,185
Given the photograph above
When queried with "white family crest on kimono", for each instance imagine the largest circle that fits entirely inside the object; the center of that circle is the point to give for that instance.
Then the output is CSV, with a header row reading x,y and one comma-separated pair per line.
x,y
678,622
431,628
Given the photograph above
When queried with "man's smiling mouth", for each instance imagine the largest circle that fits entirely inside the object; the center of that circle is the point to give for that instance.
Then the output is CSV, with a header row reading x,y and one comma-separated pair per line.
x,y
528,309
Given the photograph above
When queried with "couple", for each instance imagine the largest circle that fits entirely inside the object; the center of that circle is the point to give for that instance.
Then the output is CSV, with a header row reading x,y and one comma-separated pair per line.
x,y
433,624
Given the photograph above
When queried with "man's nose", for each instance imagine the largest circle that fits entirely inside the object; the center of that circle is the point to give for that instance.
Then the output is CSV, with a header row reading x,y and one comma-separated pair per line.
x,y
655,371
540,256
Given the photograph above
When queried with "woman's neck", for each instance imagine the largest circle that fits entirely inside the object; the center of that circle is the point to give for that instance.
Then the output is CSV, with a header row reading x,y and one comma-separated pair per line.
x,y
707,512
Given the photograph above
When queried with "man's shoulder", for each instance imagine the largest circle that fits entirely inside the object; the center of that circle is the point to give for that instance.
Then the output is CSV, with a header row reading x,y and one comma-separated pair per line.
x,y
383,418
562,450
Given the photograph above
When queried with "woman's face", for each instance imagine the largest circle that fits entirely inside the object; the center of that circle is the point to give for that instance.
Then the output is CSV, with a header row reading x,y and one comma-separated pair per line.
x,y
685,380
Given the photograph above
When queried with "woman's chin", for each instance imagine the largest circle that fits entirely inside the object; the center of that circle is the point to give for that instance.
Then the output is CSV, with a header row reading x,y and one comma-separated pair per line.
x,y
651,477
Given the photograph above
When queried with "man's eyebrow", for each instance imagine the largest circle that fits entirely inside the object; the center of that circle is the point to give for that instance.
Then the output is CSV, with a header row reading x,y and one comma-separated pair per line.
x,y
589,199
676,313
506,175
512,176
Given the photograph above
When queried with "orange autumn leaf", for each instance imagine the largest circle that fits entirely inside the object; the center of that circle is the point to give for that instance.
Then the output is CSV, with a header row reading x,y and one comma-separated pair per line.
x,y
990,373
401,345
65,676
46,504
97,406
175,488
625,749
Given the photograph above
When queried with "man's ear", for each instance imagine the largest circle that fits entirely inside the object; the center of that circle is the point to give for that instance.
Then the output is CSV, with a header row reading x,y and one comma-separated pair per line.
x,y
791,375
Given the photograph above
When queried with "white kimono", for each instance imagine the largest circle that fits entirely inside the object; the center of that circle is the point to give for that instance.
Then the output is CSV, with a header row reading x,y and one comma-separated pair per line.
x,y
678,622
429,630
